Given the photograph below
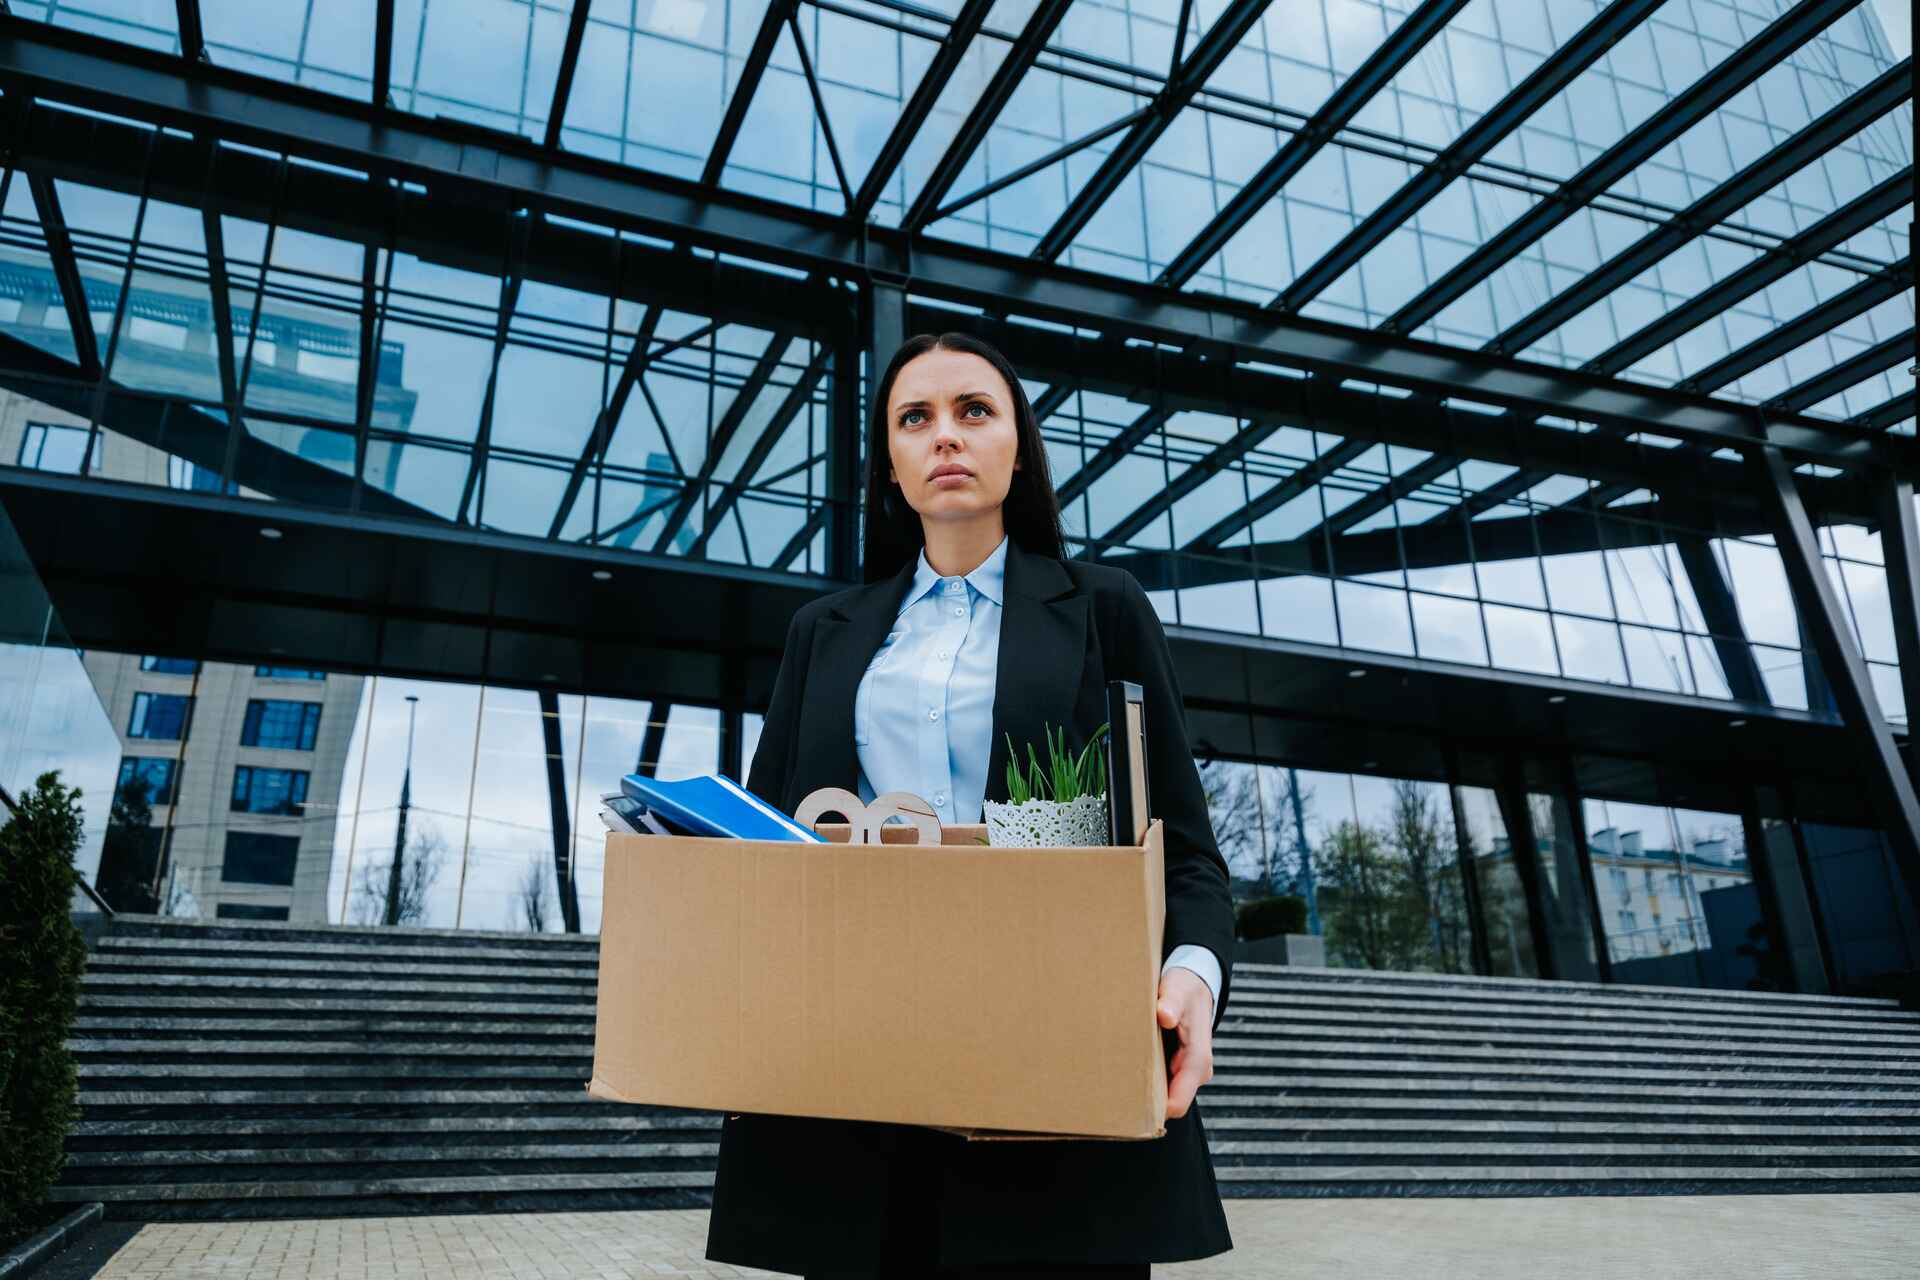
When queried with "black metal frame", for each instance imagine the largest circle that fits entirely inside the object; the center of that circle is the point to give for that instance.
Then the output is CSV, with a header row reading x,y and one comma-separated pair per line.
x,y
1587,46
1693,104
1186,80
458,161
1884,778
462,167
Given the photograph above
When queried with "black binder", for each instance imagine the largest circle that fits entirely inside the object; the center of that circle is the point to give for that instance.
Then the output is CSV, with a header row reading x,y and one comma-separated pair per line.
x,y
1127,809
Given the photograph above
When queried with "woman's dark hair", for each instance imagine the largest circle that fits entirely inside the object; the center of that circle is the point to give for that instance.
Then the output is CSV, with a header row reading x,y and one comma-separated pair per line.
x,y
1032,511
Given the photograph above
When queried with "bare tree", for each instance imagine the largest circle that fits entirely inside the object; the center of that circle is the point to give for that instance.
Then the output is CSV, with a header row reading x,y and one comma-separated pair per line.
x,y
534,902
1426,847
1233,804
425,856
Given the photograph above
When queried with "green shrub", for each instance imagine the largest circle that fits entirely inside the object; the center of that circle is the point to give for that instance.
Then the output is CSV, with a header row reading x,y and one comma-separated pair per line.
x,y
1271,917
39,992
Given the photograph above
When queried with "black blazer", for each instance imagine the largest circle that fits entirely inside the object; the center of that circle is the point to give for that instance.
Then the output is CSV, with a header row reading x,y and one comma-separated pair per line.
x,y
797,1193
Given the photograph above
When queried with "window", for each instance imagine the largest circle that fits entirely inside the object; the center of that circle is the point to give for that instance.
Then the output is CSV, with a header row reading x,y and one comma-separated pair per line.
x,y
160,715
253,857
49,447
289,673
249,911
170,666
274,723
269,790
158,775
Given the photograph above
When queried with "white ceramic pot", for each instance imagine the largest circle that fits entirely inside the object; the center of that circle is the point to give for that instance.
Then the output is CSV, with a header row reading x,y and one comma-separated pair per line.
x,y
1047,823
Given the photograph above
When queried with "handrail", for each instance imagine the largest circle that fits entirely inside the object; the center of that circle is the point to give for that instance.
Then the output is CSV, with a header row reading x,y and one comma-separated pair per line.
x,y
93,893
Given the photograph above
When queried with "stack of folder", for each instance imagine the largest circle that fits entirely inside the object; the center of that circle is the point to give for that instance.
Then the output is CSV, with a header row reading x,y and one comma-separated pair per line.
x,y
713,805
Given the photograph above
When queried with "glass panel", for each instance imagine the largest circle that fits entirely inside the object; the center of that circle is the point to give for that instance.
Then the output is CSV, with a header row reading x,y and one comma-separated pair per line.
x,y
492,62
1678,901
1569,924
327,46
413,739
1868,913
1503,900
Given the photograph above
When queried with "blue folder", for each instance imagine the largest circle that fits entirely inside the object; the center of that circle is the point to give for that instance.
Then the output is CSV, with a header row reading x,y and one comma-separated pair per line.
x,y
715,806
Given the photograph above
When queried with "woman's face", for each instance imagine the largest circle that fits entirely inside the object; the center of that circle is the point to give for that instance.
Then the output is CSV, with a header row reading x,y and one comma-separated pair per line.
x,y
951,436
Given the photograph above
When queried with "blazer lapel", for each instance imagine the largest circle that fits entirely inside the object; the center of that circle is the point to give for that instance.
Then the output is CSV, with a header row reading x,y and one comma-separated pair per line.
x,y
1043,656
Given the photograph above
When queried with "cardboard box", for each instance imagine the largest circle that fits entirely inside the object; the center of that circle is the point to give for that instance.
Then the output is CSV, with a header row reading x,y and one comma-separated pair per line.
x,y
993,992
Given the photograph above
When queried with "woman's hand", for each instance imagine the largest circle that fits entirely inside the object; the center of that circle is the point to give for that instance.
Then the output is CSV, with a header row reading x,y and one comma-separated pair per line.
x,y
1186,1003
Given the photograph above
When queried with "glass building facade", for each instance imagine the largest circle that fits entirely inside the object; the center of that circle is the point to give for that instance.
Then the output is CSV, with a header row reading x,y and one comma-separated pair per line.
x,y
1704,204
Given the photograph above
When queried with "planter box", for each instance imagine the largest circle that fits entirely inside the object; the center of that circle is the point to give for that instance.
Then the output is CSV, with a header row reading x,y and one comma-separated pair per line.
x,y
1299,949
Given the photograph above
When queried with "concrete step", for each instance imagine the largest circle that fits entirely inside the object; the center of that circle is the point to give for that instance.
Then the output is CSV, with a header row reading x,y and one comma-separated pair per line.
x,y
1804,1057
1592,1091
1896,1022
1335,976
1277,1020
270,1003
1420,1039
390,1126
306,1029
1415,1072
1822,1170
340,988
362,1189
1476,1129
280,931
506,953
329,1050
424,968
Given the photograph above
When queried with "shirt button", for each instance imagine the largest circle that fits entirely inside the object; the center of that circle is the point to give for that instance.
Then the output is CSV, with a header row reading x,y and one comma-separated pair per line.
x,y
941,799
932,714
941,655
958,612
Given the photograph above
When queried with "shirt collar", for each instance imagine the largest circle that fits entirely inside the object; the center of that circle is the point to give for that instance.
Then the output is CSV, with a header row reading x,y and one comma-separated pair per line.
x,y
989,578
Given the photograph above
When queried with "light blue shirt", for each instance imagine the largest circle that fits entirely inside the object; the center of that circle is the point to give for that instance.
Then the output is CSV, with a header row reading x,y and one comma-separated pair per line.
x,y
923,713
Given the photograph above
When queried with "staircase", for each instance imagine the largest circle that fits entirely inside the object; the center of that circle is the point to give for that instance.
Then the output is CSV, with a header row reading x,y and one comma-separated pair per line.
x,y
256,1070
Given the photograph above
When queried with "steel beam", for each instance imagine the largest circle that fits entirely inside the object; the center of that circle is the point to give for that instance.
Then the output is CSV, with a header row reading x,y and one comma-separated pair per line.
x,y
1278,495
1858,299
819,105
1884,778
1900,545
569,61
743,90
1399,48
1801,148
797,399
1887,412
382,54
1722,619
456,162
1395,488
193,39
723,432
1851,218
1110,454
1222,456
1693,104
1033,38
1220,40
934,80
1582,50
1878,358
66,270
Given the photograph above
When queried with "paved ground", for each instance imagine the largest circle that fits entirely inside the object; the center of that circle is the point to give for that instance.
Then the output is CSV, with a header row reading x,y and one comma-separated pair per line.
x,y
1846,1237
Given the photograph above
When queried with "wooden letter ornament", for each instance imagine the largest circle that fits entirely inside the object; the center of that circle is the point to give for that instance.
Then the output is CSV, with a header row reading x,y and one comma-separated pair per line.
x,y
864,820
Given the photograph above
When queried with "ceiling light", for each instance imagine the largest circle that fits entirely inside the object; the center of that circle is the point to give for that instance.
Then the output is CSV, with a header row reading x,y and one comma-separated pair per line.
x,y
1736,724
1556,698
270,533
1371,764
1356,673
603,575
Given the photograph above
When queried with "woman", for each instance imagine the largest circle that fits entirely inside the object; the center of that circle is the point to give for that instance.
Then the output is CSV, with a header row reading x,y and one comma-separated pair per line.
x,y
973,628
